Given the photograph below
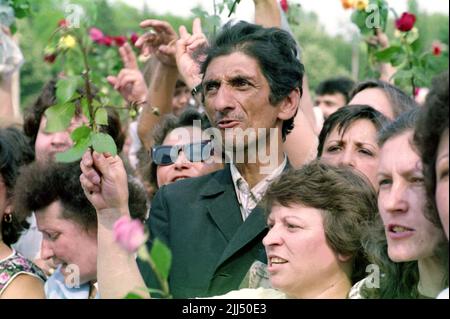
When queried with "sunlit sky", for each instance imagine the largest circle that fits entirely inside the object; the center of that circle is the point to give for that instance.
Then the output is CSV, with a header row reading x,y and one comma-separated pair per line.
x,y
330,12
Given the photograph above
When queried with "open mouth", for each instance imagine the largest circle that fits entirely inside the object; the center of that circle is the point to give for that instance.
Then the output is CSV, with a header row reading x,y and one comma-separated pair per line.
x,y
396,229
277,261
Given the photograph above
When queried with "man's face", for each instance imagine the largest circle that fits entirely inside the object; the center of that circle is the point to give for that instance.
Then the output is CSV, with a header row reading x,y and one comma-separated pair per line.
x,y
67,243
47,145
237,99
330,103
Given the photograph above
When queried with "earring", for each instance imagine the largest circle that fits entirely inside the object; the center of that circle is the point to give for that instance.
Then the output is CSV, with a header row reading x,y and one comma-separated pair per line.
x,y
7,218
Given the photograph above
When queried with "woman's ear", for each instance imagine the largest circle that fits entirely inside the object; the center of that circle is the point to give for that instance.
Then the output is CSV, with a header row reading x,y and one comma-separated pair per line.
x,y
343,258
290,105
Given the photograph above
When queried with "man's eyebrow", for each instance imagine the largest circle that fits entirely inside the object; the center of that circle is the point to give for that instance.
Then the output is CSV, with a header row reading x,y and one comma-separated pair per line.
x,y
208,82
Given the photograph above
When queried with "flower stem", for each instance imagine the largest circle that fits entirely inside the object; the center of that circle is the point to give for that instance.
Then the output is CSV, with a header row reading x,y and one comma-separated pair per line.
x,y
143,253
87,83
235,3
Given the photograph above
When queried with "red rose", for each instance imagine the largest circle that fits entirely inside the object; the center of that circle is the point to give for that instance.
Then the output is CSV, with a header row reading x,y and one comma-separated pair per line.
x,y
284,5
120,40
50,58
107,40
133,38
406,22
437,48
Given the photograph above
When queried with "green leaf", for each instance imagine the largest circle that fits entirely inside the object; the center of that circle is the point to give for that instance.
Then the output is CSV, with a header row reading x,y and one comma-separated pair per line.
x,y
66,88
103,143
162,257
76,152
101,116
403,75
81,133
59,117
359,18
133,296
388,54
85,108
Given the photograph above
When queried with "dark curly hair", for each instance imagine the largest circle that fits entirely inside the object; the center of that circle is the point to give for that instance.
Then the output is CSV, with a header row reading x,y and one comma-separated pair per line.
x,y
15,151
432,123
276,53
40,185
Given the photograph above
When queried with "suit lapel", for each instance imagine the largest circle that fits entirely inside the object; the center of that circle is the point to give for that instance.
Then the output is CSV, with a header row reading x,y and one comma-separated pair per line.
x,y
223,206
248,231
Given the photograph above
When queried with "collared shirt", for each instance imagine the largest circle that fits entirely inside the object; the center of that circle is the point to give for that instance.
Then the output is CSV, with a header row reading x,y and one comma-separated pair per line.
x,y
56,288
249,198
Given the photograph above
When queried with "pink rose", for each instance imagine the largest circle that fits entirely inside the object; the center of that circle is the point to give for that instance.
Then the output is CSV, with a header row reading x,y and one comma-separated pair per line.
x,y
63,23
284,5
96,35
129,233
406,22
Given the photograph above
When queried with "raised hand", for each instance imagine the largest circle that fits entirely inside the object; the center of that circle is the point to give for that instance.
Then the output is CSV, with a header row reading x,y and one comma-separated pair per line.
x,y
104,181
187,46
129,82
160,41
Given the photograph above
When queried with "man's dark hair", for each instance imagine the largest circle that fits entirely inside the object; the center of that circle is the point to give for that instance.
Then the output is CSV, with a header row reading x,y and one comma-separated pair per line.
x,y
399,100
275,51
402,124
33,116
341,85
432,123
15,151
345,198
346,116
40,185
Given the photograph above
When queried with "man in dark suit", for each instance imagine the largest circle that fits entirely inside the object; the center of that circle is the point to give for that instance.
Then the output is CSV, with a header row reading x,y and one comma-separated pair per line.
x,y
251,88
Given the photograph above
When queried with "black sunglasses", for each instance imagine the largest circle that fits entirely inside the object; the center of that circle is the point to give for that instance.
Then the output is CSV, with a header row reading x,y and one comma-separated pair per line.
x,y
194,152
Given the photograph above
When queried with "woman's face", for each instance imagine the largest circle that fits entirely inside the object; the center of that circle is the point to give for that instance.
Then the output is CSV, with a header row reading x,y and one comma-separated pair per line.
x,y
357,148
401,202
182,168
300,261
442,181
68,244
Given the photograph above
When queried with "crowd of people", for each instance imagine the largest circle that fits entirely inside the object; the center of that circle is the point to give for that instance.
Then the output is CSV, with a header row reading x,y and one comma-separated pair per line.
x,y
257,190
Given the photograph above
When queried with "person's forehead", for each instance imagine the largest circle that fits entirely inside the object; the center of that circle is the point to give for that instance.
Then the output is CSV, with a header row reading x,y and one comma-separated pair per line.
x,y
236,63
183,135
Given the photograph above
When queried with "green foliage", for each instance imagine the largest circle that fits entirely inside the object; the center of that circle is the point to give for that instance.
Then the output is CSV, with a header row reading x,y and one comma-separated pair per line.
x,y
324,56
162,256
59,117
103,143
66,88
76,152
